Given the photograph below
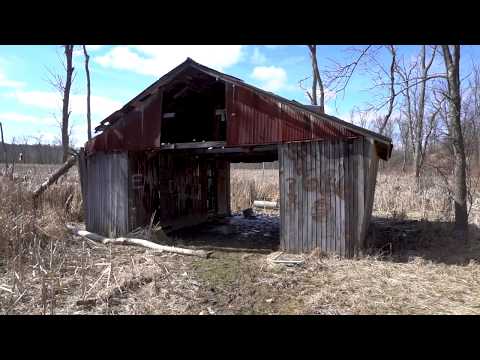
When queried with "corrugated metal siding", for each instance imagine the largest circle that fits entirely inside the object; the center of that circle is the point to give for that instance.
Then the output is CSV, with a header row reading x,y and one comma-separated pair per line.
x,y
107,195
82,172
326,193
135,131
255,118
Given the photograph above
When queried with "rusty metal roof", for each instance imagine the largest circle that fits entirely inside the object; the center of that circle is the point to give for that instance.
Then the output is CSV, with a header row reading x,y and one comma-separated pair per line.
x,y
189,63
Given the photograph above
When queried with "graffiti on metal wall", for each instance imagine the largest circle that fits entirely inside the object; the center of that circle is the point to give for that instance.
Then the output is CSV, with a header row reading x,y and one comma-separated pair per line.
x,y
137,181
324,181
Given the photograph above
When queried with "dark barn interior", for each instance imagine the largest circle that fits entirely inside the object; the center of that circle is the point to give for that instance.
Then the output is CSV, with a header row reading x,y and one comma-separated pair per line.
x,y
194,109
166,155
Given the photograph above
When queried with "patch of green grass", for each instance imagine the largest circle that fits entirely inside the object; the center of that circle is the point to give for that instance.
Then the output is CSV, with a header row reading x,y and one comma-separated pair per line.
x,y
222,271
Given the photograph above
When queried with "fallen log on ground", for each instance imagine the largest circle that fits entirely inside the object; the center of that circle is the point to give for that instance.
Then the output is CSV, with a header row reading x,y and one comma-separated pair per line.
x,y
137,242
265,204
54,177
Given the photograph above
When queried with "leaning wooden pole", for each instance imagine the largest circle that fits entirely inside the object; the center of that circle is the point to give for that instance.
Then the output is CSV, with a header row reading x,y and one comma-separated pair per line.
x,y
137,242
54,177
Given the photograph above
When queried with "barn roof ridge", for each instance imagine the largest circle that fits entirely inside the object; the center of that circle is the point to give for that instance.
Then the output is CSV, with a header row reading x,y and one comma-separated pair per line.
x,y
166,78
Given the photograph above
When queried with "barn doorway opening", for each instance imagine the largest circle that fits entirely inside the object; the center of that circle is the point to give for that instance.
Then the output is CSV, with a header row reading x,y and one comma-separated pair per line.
x,y
244,226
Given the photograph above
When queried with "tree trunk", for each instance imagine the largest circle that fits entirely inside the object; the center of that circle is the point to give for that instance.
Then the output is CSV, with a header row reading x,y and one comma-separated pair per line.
x,y
317,80
87,71
4,150
452,64
391,101
404,164
66,99
420,115
54,177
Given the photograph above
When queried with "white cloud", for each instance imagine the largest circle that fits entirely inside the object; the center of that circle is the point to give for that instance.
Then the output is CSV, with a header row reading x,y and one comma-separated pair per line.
x,y
78,49
4,82
273,46
47,137
272,78
157,60
78,135
257,57
94,47
22,118
101,106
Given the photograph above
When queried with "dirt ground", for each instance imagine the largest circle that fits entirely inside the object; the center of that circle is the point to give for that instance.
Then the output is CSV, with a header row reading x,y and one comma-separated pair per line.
x,y
241,278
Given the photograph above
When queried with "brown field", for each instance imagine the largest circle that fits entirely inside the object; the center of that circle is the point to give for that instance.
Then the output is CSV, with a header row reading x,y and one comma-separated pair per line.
x,y
45,270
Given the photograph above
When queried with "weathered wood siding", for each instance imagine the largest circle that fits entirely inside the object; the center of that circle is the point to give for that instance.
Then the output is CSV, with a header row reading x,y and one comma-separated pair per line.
x,y
326,195
174,186
171,185
223,187
371,169
107,194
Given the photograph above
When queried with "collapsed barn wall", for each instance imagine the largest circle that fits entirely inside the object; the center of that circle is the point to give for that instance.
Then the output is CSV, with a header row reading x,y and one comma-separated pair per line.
x,y
326,195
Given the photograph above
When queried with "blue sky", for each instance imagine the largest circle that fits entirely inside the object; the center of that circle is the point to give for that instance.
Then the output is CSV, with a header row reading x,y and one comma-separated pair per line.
x,y
30,106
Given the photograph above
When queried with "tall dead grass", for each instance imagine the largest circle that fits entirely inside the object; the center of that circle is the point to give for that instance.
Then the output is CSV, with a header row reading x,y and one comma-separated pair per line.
x,y
43,271
396,195
32,239
248,185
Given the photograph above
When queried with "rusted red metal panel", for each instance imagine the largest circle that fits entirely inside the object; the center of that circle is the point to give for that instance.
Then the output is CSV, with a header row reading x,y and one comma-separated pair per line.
x,y
137,130
152,122
256,118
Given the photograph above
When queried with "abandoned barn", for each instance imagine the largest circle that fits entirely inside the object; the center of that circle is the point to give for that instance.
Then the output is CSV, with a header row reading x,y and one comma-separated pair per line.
x,y
166,154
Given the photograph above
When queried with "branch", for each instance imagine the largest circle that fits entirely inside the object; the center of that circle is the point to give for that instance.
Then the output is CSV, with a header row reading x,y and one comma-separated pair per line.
x,y
137,242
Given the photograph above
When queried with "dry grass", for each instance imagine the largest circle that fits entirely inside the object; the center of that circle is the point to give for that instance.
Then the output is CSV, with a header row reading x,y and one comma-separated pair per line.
x,y
33,240
44,270
248,185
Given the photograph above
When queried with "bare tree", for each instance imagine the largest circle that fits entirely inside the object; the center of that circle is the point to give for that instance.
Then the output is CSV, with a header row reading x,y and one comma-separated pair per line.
x,y
391,87
341,74
317,82
471,123
87,71
63,87
451,55
404,134
66,98
414,80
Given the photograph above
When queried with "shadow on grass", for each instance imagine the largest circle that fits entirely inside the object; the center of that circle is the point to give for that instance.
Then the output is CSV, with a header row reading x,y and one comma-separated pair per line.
x,y
395,240
260,234
402,240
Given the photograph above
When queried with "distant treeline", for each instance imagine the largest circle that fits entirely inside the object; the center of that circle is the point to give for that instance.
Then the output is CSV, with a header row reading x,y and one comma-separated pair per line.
x,y
32,154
